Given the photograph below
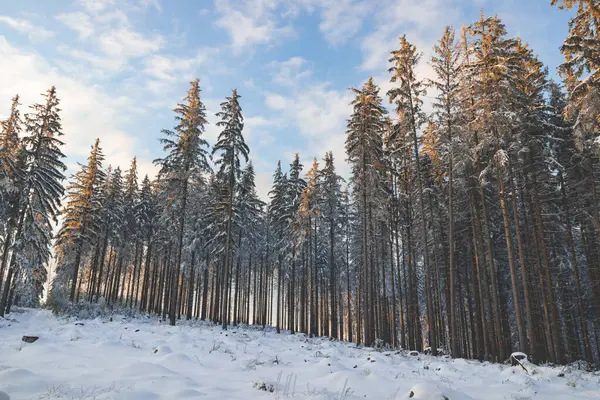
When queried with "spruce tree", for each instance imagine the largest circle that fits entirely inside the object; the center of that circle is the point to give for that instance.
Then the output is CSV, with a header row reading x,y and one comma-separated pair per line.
x,y
10,173
331,206
279,222
364,148
146,220
185,161
447,113
249,215
130,226
296,186
407,97
233,148
308,212
40,189
581,69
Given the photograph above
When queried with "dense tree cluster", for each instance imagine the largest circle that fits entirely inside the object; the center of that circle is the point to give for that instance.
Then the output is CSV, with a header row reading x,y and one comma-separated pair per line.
x,y
471,226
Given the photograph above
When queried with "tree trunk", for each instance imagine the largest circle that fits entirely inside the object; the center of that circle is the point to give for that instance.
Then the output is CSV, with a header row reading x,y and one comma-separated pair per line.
x,y
173,298
430,320
332,277
511,262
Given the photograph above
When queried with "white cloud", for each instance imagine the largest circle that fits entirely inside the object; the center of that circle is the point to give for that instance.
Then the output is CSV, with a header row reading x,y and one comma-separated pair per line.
x,y
170,68
101,62
112,16
112,42
123,43
95,6
256,130
290,72
79,22
342,19
264,22
151,3
277,102
35,32
252,22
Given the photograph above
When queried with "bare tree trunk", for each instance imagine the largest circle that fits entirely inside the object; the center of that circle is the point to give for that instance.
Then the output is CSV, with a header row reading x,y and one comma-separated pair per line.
x,y
511,261
499,345
332,277
556,327
292,293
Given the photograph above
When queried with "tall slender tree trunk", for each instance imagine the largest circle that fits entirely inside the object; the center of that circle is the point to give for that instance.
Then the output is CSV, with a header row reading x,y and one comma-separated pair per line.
x,y
556,326
292,292
578,290
496,315
332,277
279,286
228,250
76,265
173,298
101,264
451,314
511,261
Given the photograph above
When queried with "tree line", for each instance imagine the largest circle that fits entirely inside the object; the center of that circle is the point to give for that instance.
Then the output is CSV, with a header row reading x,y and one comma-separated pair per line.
x,y
471,228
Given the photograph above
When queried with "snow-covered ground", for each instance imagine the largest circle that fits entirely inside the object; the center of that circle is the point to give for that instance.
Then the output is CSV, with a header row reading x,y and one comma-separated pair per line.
x,y
144,359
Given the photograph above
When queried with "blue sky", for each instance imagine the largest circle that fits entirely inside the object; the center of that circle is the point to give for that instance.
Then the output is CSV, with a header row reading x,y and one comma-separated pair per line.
x,y
120,66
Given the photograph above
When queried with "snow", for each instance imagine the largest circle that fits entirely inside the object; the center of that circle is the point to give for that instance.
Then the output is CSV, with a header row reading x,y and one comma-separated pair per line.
x,y
429,391
146,359
519,356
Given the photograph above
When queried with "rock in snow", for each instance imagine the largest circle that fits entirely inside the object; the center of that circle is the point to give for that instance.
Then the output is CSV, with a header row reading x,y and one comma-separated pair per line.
x,y
29,339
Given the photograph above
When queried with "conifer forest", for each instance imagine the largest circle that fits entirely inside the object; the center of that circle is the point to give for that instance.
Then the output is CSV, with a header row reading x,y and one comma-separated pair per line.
x,y
469,226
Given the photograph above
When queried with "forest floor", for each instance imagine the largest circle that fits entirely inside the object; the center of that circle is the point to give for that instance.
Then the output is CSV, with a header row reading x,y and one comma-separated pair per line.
x,y
145,359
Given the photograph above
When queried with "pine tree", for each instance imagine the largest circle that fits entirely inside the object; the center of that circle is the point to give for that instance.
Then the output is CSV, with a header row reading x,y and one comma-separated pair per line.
x,y
186,159
279,222
332,198
446,64
130,226
364,150
581,69
249,215
10,173
347,218
407,97
32,256
115,215
107,219
40,189
10,146
146,220
233,148
296,186
308,213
